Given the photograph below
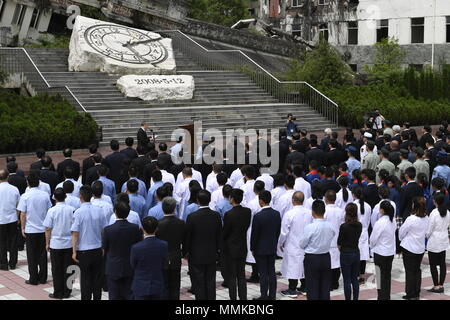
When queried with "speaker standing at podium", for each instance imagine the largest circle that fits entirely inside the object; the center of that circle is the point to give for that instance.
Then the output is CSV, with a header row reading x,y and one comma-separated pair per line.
x,y
142,137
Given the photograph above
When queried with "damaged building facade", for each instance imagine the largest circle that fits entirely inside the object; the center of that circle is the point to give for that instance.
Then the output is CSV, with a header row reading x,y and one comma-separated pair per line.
x,y
353,27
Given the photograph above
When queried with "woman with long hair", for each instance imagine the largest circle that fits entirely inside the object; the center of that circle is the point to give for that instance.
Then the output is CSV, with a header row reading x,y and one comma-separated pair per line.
x,y
412,236
344,196
383,192
382,243
364,214
438,242
348,240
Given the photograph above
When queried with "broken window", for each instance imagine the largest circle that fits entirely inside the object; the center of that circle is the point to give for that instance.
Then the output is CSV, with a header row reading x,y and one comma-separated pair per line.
x,y
417,30
448,28
382,29
323,32
19,12
352,32
35,18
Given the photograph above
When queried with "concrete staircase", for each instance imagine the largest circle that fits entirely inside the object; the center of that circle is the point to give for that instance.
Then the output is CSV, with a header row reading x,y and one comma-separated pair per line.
x,y
222,100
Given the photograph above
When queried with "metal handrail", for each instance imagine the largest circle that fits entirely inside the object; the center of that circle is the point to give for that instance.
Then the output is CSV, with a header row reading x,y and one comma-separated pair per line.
x,y
314,97
46,87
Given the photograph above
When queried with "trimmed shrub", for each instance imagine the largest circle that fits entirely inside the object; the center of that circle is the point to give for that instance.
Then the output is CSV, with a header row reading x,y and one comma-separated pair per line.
x,y
43,121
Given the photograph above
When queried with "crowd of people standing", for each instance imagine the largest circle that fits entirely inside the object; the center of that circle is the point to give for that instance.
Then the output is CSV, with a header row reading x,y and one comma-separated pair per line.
x,y
128,219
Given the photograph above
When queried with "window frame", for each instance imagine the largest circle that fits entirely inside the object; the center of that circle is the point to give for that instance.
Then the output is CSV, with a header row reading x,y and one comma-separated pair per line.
x,y
352,28
418,26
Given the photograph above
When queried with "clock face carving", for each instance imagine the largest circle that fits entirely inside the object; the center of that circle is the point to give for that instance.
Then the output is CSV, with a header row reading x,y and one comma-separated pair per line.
x,y
125,44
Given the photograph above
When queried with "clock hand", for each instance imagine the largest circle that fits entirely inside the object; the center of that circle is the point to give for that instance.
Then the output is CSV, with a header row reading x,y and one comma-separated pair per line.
x,y
129,47
142,41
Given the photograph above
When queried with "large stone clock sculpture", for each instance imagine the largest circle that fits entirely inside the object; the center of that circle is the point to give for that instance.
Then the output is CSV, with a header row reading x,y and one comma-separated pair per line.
x,y
99,46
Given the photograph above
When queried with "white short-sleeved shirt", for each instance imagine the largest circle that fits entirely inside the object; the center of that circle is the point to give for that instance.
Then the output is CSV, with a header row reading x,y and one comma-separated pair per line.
x,y
10,197
35,204
60,219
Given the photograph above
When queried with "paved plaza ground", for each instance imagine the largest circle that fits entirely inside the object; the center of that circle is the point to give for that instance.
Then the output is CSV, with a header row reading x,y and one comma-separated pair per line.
x,y
13,287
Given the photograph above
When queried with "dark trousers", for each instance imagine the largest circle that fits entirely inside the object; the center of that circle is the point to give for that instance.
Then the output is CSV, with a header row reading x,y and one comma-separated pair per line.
x,y
235,273
318,276
293,283
350,272
91,264
267,276
8,242
36,257
152,297
204,281
335,275
383,270
61,259
20,238
119,288
437,259
413,273
255,272
362,267
172,280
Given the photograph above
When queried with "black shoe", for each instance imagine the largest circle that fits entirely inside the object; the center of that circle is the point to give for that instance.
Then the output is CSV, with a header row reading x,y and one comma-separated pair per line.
x,y
259,298
278,273
224,284
334,287
12,267
66,296
407,298
253,280
51,295
42,282
433,290
20,249
4,268
190,291
31,283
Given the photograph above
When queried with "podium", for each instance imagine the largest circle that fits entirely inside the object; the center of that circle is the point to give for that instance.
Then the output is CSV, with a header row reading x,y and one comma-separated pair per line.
x,y
190,129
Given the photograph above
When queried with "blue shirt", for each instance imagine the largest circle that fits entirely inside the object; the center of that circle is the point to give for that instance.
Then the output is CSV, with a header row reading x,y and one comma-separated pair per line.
x,y
60,219
352,165
72,201
317,237
34,204
142,188
137,204
109,187
291,128
89,221
10,197
156,211
394,195
223,206
189,209
150,201
310,177
442,172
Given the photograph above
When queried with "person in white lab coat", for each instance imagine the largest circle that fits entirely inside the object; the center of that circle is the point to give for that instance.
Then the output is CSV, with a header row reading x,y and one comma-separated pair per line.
x,y
247,187
285,201
292,226
211,179
335,216
181,193
300,183
268,180
364,215
344,196
236,175
383,246
412,235
438,242
254,206
278,190
383,192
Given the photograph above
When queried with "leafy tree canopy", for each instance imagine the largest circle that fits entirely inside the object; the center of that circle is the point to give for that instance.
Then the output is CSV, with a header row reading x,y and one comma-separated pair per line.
x,y
220,12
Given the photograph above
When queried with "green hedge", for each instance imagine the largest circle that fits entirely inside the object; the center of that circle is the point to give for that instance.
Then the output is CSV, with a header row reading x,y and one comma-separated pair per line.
x,y
395,103
43,121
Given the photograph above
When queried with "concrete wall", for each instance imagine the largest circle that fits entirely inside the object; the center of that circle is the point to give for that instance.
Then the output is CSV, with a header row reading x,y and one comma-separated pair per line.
x,y
241,38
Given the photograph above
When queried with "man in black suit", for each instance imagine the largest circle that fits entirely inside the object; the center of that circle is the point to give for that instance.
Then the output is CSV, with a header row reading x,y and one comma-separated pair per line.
x,y
92,172
164,158
36,166
15,179
426,137
371,190
334,156
203,242
295,157
118,239
48,176
329,183
129,151
263,244
314,153
408,192
234,235
142,137
173,231
150,165
88,163
116,163
68,162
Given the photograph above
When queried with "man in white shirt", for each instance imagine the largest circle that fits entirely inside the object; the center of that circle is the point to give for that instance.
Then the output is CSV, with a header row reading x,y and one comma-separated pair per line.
x,y
182,193
267,179
292,226
71,200
211,180
300,183
97,192
285,200
249,176
217,196
196,175
335,216
236,175
69,174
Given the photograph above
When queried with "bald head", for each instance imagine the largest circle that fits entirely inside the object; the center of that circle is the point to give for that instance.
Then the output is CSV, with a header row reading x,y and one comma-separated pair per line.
x,y
394,144
298,198
4,175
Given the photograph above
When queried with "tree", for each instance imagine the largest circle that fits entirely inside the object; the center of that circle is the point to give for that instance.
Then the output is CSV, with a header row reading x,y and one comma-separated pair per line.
x,y
221,12
322,66
387,60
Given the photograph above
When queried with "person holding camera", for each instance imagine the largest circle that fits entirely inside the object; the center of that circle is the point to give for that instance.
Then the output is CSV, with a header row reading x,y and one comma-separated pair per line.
x,y
291,125
376,119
